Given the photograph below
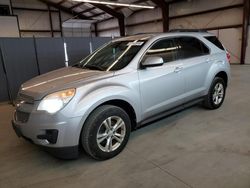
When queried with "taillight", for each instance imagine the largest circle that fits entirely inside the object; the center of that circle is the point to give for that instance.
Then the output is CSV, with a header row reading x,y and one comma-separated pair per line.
x,y
228,57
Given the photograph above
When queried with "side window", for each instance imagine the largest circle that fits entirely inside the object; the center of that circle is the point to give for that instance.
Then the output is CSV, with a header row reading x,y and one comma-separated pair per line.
x,y
164,48
191,47
215,41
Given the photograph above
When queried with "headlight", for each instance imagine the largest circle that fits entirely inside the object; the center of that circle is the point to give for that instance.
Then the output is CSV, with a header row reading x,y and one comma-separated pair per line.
x,y
56,101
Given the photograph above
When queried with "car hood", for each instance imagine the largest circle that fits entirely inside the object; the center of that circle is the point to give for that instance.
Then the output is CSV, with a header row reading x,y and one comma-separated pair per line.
x,y
68,77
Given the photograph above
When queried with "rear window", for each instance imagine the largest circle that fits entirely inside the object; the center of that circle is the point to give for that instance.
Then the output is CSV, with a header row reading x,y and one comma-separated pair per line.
x,y
191,47
215,41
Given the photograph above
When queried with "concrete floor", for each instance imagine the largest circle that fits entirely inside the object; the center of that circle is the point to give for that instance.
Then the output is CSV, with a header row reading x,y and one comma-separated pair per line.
x,y
194,148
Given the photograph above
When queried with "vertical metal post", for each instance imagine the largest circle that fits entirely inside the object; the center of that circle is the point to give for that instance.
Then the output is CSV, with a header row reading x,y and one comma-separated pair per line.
x,y
165,13
6,76
50,21
37,61
60,22
95,28
11,7
121,25
245,30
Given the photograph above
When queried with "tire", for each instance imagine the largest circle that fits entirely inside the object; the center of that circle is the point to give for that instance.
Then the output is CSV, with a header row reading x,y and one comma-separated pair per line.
x,y
99,137
211,102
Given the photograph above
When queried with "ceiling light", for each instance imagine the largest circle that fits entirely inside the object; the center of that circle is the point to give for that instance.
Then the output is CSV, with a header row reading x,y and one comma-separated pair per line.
x,y
115,4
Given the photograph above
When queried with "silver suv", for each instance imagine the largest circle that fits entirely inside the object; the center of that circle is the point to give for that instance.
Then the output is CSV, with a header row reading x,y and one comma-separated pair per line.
x,y
128,82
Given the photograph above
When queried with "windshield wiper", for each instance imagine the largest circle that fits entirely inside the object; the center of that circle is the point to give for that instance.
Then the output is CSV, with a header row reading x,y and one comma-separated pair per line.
x,y
77,65
93,67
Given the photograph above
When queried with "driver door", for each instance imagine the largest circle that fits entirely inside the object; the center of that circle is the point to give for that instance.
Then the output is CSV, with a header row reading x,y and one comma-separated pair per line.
x,y
162,87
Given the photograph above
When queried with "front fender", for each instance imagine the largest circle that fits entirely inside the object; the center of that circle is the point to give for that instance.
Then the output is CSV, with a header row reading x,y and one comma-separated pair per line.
x,y
89,98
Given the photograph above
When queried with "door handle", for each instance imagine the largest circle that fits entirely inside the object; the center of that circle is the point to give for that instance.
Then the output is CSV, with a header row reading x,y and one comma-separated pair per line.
x,y
178,69
208,60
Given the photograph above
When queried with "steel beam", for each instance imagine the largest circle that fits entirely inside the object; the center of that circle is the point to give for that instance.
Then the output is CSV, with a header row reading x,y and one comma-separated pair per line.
x,y
96,31
33,9
165,13
64,9
76,5
50,22
245,24
61,2
115,14
60,22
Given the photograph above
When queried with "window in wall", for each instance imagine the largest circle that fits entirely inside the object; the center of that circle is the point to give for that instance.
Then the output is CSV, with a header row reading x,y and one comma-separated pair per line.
x,y
4,10
190,47
165,48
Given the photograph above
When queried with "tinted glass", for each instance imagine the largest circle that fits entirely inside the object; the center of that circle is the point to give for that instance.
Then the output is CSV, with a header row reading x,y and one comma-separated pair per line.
x,y
165,49
215,41
191,47
114,56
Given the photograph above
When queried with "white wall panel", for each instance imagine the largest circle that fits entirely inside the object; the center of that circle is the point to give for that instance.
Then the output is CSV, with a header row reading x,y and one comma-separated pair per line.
x,y
10,28
107,24
110,33
65,16
28,4
35,34
145,28
215,19
199,5
55,20
247,60
33,19
231,39
143,16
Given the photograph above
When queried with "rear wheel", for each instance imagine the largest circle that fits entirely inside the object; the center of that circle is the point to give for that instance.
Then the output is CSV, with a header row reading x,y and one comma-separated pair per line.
x,y
216,94
106,132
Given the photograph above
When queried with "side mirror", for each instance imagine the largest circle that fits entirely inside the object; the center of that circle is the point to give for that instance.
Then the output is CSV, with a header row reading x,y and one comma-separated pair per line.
x,y
153,61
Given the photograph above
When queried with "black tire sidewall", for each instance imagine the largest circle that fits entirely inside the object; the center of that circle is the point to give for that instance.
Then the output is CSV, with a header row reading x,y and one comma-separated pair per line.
x,y
211,91
92,126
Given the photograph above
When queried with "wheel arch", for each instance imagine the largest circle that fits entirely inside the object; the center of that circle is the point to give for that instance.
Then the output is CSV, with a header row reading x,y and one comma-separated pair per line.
x,y
123,104
223,75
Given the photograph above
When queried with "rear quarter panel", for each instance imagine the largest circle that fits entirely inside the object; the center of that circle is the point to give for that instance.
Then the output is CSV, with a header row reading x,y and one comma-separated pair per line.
x,y
219,64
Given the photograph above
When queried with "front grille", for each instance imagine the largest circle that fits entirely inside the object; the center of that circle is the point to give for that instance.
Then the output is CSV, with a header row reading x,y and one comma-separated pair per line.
x,y
22,117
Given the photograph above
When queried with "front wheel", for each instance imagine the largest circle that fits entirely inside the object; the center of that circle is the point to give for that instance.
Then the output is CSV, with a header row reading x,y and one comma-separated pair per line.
x,y
106,132
216,94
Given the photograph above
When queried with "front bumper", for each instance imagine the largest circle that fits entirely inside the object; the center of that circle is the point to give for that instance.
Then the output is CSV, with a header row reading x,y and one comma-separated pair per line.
x,y
66,152
57,132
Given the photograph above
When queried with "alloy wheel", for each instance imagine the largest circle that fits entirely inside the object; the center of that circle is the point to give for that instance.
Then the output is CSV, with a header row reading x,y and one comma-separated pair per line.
x,y
111,133
218,93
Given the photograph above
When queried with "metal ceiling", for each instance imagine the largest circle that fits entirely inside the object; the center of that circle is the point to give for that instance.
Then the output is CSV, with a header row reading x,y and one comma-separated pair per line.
x,y
96,12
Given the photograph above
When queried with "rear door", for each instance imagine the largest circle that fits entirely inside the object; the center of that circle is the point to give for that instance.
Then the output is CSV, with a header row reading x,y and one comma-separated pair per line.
x,y
194,56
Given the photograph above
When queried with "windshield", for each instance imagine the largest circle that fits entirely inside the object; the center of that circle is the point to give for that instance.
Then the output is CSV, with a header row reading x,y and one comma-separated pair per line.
x,y
113,56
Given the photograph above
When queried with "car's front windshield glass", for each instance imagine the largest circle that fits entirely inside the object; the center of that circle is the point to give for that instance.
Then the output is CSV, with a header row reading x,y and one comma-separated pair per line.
x,y
113,56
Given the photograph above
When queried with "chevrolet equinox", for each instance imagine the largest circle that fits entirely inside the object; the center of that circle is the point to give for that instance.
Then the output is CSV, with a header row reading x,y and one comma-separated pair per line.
x,y
124,84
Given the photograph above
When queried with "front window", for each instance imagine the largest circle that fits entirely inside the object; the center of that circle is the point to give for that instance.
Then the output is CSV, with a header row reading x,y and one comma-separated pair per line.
x,y
114,56
165,48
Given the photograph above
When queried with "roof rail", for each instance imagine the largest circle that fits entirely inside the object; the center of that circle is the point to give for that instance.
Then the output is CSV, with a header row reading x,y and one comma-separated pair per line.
x,y
188,30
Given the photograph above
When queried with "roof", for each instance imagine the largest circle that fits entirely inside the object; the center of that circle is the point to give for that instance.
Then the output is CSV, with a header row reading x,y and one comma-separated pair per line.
x,y
97,12
151,35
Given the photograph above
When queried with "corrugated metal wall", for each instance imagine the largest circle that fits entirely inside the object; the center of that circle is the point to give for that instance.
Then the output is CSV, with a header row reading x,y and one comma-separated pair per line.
x,y
231,37
24,58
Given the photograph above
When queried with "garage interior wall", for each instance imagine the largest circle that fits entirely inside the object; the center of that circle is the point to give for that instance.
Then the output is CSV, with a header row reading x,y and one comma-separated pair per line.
x,y
37,23
150,21
40,55
35,20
